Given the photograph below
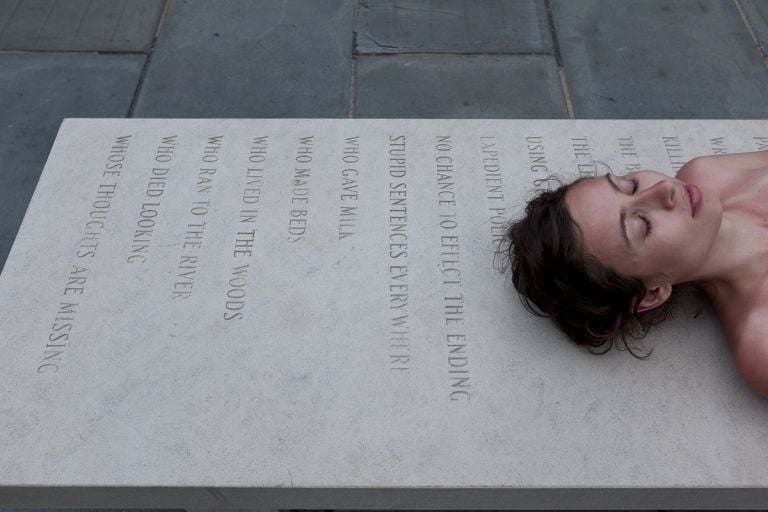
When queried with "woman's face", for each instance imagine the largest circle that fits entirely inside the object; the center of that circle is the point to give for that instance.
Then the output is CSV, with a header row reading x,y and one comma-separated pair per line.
x,y
646,224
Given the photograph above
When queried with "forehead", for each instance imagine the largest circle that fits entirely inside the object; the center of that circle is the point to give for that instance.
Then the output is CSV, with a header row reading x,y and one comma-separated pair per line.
x,y
589,197
594,206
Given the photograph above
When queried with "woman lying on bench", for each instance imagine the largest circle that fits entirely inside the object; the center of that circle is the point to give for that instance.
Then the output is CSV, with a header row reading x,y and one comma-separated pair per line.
x,y
602,256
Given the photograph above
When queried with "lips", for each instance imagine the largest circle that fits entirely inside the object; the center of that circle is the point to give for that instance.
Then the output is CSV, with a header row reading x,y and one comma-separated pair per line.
x,y
694,196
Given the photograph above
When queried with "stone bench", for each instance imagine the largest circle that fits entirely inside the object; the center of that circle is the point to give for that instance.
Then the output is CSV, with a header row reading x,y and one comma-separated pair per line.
x,y
306,314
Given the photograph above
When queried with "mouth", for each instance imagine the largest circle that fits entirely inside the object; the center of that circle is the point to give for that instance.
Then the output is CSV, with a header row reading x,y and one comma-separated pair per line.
x,y
694,197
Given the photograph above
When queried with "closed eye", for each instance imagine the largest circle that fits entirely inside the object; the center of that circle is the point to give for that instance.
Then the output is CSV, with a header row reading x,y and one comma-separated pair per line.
x,y
648,226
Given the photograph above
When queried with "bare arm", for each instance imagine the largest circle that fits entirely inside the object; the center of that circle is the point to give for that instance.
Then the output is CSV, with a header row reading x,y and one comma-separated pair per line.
x,y
752,362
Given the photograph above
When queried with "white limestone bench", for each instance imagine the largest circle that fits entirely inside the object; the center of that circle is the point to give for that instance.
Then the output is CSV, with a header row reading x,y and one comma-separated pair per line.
x,y
306,314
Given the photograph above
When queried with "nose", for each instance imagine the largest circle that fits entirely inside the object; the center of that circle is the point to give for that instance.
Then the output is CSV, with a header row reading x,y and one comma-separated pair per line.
x,y
663,193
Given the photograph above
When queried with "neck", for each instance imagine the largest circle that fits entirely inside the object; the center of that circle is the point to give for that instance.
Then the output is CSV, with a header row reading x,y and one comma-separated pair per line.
x,y
732,272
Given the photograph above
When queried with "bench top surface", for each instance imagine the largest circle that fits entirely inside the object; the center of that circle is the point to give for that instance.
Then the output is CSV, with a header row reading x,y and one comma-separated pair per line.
x,y
314,303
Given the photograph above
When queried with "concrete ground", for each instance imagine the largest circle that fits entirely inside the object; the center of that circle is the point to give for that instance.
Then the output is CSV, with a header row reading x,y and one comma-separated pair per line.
x,y
580,59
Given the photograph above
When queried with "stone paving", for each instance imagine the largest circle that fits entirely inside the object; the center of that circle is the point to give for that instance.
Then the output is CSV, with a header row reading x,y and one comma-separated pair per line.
x,y
356,58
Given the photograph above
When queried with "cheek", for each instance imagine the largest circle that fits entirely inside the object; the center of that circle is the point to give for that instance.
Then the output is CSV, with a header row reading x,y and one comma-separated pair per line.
x,y
668,244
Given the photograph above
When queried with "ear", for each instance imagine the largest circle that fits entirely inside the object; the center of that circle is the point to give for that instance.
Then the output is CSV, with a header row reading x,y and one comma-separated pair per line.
x,y
654,297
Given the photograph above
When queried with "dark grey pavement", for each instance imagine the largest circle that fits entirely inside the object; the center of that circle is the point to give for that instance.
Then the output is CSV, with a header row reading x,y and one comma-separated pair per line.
x,y
660,59
246,59
366,58
78,25
458,86
451,26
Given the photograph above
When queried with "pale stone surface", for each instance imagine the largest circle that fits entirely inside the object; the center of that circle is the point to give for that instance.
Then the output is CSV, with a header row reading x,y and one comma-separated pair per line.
x,y
125,383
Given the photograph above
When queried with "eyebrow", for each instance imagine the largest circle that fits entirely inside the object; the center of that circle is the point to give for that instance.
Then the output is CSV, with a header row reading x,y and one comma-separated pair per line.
x,y
622,213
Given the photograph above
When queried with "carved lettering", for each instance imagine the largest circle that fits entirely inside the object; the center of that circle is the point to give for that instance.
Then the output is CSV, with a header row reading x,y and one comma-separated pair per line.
x,y
718,146
494,187
536,157
674,151
454,306
349,195
236,293
299,214
194,233
582,151
399,323
93,229
629,154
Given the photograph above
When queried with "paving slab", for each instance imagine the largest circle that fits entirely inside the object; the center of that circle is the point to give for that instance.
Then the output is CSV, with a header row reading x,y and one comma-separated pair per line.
x,y
756,12
244,58
443,86
286,314
78,25
660,59
38,91
453,26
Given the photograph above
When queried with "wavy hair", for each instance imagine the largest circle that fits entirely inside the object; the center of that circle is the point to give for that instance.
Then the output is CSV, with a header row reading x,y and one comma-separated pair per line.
x,y
555,277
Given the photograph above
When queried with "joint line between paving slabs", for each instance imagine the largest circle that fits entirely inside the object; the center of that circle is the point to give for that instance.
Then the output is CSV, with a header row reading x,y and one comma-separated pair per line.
x,y
145,67
161,21
352,88
755,40
559,61
566,93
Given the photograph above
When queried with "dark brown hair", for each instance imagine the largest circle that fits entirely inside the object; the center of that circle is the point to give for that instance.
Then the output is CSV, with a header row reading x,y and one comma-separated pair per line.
x,y
592,304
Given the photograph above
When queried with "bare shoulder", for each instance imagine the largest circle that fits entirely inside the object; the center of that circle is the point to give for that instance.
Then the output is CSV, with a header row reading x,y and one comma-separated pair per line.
x,y
717,169
752,356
